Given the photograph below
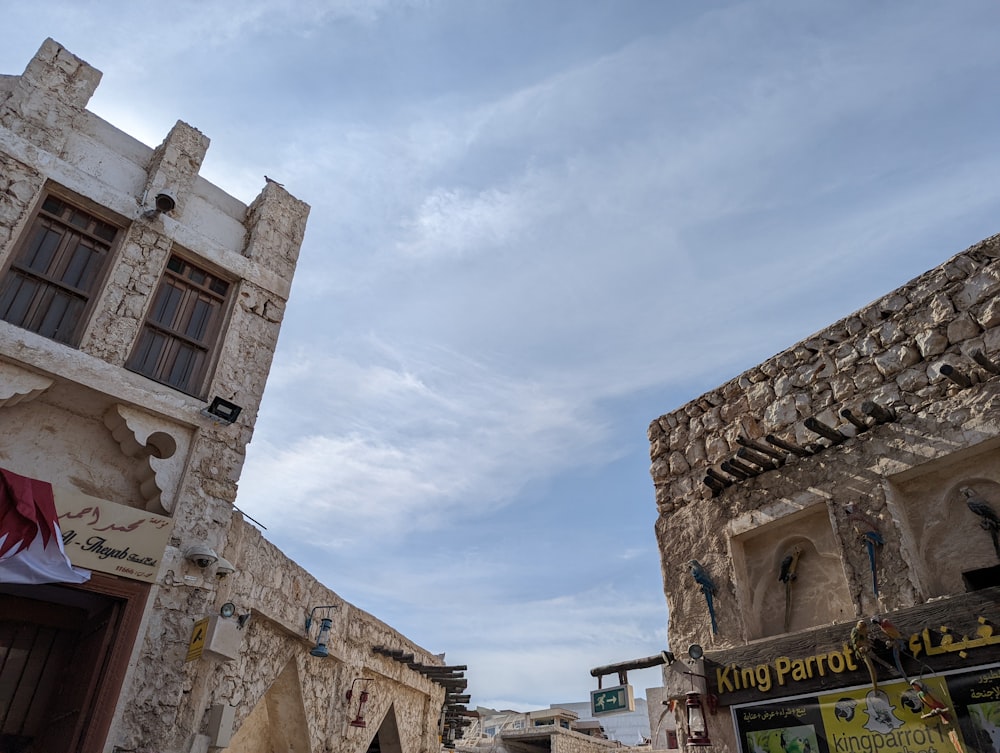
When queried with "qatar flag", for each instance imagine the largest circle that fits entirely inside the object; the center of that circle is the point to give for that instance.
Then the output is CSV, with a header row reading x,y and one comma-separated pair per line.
x,y
31,545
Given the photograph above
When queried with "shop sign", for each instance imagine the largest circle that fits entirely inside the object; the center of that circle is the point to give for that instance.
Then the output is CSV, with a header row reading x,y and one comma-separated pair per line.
x,y
894,718
763,677
111,538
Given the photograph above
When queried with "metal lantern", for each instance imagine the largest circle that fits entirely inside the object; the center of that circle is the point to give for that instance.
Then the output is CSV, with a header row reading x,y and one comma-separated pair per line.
x,y
697,728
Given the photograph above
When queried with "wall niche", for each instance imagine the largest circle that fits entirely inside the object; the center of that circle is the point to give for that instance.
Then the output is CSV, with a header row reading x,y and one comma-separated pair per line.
x,y
818,594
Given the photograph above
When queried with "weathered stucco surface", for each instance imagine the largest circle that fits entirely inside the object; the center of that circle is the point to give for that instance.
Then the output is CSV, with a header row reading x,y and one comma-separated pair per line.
x,y
75,417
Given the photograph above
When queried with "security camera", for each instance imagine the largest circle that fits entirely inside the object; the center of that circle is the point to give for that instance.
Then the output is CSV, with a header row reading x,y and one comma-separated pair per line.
x,y
223,568
165,202
201,555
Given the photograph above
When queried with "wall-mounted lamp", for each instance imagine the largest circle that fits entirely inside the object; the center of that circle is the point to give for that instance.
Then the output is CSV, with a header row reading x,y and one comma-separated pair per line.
x,y
164,203
359,720
697,728
222,411
694,712
320,648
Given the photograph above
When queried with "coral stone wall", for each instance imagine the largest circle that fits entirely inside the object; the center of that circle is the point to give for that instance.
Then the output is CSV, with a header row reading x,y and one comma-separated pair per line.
x,y
278,690
897,474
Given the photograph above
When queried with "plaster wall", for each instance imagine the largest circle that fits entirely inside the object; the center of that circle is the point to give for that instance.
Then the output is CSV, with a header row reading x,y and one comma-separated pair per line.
x,y
62,436
107,155
817,595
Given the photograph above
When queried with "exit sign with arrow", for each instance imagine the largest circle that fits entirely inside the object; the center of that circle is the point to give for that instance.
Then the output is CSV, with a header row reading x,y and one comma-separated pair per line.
x,y
612,700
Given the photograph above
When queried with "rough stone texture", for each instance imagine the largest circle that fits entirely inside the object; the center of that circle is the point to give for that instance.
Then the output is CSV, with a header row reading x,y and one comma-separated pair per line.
x,y
899,477
121,307
278,595
19,184
49,97
76,418
174,167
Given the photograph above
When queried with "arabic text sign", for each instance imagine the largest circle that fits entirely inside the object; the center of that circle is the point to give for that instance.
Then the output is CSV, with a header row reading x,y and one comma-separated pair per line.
x,y
111,538
611,700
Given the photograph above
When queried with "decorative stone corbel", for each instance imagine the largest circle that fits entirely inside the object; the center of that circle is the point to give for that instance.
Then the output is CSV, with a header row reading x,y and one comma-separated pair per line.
x,y
162,453
19,385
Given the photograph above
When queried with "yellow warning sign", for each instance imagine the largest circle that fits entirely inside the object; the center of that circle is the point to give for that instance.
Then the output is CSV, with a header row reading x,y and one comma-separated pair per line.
x,y
197,643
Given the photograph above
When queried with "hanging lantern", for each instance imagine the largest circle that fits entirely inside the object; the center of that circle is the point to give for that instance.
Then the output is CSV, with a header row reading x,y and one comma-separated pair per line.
x,y
697,728
359,720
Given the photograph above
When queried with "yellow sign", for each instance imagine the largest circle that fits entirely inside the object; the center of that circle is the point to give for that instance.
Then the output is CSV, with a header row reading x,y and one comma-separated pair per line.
x,y
197,643
936,714
111,538
890,720
764,676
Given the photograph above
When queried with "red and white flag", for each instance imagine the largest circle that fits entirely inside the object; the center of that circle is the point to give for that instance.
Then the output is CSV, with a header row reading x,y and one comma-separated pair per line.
x,y
31,545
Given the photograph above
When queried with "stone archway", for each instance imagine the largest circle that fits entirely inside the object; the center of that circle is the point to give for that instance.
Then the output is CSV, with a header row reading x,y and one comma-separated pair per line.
x,y
278,722
386,739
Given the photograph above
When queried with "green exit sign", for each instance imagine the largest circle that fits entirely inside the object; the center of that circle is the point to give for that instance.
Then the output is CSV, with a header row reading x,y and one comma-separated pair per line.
x,y
612,700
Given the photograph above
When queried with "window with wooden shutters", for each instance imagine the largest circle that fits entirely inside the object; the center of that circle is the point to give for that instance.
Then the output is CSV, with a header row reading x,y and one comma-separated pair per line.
x,y
177,340
56,271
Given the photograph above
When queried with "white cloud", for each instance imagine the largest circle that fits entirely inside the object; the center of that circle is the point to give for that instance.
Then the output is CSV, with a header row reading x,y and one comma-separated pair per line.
x,y
391,448
452,222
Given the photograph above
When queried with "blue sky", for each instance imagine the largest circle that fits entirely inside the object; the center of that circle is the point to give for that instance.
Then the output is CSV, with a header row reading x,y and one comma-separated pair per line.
x,y
536,227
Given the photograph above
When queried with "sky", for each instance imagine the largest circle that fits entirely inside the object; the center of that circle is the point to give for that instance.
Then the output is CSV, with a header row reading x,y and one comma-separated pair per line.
x,y
538,225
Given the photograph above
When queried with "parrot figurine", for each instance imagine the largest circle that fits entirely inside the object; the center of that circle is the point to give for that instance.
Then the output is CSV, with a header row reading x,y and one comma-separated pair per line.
x,y
866,528
872,541
936,709
786,574
707,588
894,640
988,517
861,645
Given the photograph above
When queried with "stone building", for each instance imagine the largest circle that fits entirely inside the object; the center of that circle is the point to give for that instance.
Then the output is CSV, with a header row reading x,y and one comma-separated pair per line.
x,y
552,730
139,311
828,532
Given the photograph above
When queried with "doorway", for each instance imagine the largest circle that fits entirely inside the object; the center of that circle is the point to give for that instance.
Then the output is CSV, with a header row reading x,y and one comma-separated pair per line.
x,y
64,652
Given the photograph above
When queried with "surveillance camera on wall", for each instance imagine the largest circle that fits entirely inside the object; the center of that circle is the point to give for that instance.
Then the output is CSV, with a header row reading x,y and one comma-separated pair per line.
x,y
224,568
201,555
165,202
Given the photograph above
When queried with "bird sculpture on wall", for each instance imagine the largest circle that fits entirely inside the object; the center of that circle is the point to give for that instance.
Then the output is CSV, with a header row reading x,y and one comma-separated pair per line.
x,y
988,519
894,641
873,542
861,645
707,588
937,710
868,533
786,574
